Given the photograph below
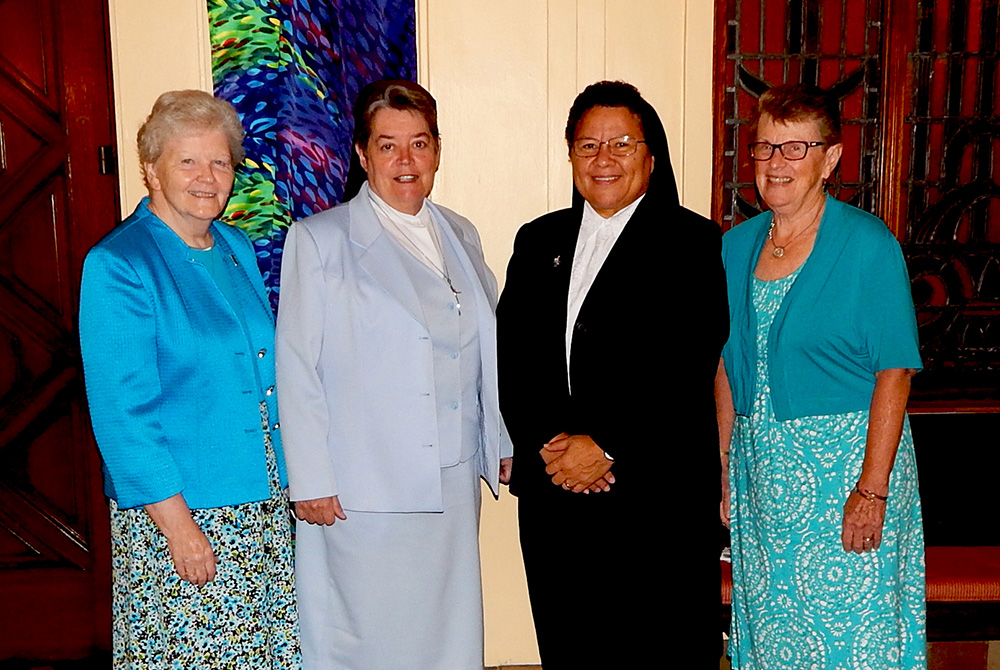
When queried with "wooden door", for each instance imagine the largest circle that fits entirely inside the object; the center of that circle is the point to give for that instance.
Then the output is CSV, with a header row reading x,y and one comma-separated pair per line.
x,y
55,115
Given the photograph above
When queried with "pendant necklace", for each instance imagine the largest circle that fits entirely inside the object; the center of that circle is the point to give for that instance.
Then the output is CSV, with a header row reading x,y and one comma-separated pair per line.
x,y
443,269
402,225
778,252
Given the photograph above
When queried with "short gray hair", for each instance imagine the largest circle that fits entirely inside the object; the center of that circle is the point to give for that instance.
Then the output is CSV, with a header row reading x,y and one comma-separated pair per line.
x,y
178,112
400,94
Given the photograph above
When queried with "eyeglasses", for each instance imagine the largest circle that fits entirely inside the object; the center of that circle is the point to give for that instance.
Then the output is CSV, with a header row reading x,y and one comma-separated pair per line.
x,y
795,150
588,147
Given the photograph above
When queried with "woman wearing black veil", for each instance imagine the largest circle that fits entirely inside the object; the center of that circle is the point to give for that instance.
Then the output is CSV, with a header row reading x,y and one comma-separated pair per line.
x,y
610,328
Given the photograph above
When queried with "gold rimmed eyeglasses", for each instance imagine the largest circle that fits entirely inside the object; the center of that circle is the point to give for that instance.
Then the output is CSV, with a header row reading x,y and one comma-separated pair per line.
x,y
588,147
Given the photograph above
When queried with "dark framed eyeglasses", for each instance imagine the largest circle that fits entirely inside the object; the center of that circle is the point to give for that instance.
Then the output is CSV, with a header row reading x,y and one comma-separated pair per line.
x,y
794,150
588,147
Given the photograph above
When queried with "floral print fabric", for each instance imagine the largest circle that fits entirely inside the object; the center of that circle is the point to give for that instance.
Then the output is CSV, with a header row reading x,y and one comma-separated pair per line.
x,y
799,600
245,618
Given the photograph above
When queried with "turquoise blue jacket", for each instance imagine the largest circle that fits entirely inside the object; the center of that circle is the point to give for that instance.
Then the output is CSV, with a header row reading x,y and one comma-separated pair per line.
x,y
169,371
848,315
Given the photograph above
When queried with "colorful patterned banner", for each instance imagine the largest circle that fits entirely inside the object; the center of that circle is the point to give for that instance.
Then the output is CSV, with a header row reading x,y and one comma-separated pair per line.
x,y
292,69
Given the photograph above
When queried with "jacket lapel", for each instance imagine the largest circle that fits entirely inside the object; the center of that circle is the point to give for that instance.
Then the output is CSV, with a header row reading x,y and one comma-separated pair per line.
x,y
189,276
240,272
379,255
468,255
619,266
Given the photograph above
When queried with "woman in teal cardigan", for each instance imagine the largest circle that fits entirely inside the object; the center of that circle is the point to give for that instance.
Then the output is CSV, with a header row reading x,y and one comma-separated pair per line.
x,y
821,494
177,340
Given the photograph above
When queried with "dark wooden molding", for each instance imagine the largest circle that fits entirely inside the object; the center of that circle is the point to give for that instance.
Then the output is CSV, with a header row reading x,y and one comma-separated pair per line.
x,y
718,107
895,94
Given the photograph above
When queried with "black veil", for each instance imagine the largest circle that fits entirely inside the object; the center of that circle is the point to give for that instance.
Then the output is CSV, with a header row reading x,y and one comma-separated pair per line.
x,y
662,184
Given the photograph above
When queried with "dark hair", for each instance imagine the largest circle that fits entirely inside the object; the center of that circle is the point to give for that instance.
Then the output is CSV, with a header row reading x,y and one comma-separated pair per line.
x,y
789,103
612,94
622,94
392,94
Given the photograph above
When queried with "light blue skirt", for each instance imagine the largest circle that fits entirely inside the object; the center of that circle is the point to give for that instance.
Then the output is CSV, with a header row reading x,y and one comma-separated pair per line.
x,y
384,591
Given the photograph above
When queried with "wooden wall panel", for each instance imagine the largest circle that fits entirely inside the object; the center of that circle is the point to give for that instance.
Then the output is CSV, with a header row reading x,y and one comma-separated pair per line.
x,y
54,204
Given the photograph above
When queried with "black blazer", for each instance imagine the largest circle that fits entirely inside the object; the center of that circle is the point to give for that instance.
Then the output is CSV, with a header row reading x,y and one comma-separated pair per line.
x,y
645,351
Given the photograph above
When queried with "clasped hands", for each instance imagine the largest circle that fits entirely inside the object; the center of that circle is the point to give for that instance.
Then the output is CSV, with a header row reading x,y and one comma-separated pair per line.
x,y
577,464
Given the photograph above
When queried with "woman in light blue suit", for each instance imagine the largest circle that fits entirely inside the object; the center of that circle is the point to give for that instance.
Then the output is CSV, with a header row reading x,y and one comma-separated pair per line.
x,y
177,341
387,364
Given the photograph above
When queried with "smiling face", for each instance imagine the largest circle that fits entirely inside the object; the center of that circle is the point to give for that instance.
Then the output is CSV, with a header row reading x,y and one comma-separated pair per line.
x,y
190,182
610,183
400,159
790,186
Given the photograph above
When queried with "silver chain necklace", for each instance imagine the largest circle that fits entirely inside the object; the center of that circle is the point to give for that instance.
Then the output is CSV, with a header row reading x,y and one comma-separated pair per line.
x,y
443,269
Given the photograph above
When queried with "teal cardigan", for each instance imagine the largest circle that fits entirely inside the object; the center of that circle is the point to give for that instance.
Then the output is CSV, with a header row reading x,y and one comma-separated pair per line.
x,y
848,315
169,372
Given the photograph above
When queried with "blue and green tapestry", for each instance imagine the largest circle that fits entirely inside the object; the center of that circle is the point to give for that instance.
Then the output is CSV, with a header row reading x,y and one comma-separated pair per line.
x,y
292,69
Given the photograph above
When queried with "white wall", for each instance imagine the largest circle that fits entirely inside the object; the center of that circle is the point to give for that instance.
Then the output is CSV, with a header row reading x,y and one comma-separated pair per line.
x,y
505,73
156,46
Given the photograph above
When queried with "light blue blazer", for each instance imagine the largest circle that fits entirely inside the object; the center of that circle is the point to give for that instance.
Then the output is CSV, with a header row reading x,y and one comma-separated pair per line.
x,y
169,372
355,363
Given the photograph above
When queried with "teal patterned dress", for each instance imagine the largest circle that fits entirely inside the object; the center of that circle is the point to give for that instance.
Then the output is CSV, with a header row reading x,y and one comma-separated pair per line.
x,y
800,602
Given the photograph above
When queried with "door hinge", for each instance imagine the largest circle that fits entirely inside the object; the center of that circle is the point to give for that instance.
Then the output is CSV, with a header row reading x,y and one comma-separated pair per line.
x,y
106,160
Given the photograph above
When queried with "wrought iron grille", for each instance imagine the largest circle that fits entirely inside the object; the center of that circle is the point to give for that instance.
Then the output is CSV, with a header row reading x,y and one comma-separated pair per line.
x,y
831,43
919,84
952,196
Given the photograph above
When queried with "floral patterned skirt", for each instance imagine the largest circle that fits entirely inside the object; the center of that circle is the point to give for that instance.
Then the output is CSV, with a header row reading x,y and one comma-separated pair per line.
x,y
245,618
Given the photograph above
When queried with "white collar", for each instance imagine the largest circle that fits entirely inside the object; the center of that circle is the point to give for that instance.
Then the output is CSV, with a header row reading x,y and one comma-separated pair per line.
x,y
592,221
421,219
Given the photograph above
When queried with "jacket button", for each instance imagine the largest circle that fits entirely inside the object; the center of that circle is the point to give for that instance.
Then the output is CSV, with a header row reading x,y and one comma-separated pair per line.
x,y
269,391
276,426
262,353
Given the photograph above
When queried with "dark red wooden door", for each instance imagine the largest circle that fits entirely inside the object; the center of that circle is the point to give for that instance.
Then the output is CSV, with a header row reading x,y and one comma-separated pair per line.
x,y
55,114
